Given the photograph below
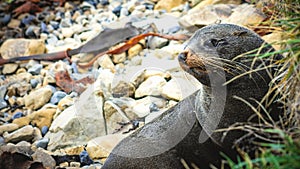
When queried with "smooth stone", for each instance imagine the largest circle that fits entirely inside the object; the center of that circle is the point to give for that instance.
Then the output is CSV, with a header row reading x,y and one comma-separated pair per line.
x,y
106,63
42,156
14,23
134,51
67,32
85,158
123,89
21,89
17,115
8,128
167,4
207,15
274,38
246,15
34,82
3,89
119,58
57,96
44,130
35,69
205,3
42,117
113,115
23,121
172,91
52,39
75,164
142,106
9,68
37,134
42,143
38,98
23,134
2,142
64,103
100,147
21,47
78,123
153,107
23,144
157,42
150,87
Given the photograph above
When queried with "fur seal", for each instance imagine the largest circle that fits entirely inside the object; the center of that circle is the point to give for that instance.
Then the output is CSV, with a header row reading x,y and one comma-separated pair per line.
x,y
186,131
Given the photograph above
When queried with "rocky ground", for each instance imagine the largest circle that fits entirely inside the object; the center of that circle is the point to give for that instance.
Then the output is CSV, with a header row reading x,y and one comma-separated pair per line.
x,y
76,120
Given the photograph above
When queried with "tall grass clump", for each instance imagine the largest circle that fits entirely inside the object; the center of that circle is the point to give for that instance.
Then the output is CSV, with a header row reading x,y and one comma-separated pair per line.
x,y
277,142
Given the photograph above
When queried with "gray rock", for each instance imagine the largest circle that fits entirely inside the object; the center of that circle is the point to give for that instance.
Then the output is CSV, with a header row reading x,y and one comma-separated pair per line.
x,y
57,96
157,42
78,123
35,69
42,143
25,133
43,157
3,89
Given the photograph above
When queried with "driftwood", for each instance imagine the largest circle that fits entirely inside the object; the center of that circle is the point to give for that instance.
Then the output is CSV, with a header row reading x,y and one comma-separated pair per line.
x,y
99,45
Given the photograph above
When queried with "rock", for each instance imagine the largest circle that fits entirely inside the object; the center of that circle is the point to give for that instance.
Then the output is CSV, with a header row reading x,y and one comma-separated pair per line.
x,y
78,123
37,134
67,32
167,4
205,3
123,89
106,63
20,89
85,158
207,15
44,130
21,47
23,121
75,164
135,50
34,82
42,143
119,58
142,106
57,96
246,15
172,91
35,69
9,68
23,144
113,115
38,98
157,42
14,23
23,134
273,38
42,117
100,147
17,115
150,87
64,103
43,157
3,89
8,128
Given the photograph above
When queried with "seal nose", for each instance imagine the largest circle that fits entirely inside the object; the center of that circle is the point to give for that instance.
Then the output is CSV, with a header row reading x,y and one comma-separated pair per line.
x,y
182,56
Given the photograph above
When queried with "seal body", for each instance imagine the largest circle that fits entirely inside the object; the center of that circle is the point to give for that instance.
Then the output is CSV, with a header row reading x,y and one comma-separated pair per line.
x,y
188,132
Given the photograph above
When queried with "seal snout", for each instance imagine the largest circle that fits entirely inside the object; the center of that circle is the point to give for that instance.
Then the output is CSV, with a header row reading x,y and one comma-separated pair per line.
x,y
183,56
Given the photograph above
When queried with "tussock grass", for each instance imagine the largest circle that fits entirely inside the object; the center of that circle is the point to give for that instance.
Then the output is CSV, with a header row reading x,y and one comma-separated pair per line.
x,y
277,143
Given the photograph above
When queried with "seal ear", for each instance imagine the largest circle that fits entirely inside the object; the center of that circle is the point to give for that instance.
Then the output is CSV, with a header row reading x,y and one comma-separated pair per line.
x,y
239,33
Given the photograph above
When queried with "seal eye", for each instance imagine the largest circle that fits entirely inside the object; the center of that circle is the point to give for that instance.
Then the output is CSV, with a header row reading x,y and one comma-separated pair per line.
x,y
214,42
217,42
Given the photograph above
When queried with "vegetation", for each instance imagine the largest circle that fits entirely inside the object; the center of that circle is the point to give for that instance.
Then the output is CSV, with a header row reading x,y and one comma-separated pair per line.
x,y
279,143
